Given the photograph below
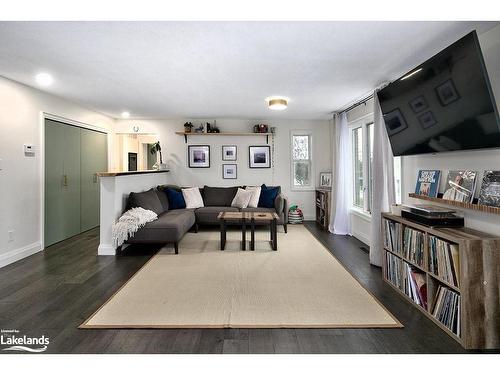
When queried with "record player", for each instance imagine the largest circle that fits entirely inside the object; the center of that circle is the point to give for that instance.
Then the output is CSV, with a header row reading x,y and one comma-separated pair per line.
x,y
433,216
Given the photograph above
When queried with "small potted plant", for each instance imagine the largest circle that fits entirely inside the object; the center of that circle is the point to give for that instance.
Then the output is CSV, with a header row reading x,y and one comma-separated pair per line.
x,y
155,147
188,126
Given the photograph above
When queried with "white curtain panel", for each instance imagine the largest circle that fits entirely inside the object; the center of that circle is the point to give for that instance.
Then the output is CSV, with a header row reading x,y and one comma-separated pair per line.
x,y
340,221
383,192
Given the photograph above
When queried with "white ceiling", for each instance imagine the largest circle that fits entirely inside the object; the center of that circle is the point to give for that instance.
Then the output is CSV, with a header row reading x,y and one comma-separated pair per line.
x,y
219,69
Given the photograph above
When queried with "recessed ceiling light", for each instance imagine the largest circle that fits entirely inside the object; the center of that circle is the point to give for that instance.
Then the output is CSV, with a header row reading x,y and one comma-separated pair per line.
x,y
125,114
277,103
44,79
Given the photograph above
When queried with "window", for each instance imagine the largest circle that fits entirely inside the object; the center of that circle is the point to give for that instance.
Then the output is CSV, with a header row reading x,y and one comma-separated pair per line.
x,y
302,168
362,154
357,147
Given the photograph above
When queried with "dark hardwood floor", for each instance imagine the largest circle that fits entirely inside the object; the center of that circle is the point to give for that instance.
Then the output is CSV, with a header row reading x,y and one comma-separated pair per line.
x,y
53,292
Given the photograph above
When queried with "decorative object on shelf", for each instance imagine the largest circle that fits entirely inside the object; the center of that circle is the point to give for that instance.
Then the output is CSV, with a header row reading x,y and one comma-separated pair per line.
x,y
259,157
428,183
418,104
460,186
490,189
135,128
156,148
188,126
272,129
199,156
394,122
229,171
325,180
323,199
295,215
199,129
229,153
215,129
209,128
427,120
261,128
447,93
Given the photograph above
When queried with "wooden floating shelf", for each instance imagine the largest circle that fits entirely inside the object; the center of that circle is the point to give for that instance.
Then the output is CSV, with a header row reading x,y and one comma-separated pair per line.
x,y
186,135
469,206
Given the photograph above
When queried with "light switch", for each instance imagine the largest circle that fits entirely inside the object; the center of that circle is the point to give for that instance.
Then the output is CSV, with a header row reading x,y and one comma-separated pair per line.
x,y
29,150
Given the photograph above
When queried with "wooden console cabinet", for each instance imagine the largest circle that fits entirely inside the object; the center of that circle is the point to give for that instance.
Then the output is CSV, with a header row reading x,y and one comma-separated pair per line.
x,y
478,278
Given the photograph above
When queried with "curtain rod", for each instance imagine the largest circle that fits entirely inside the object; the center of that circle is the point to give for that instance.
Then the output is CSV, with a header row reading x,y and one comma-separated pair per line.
x,y
356,104
363,100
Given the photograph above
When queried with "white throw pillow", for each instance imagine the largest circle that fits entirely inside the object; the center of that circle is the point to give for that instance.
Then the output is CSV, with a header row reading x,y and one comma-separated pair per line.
x,y
192,197
254,200
241,198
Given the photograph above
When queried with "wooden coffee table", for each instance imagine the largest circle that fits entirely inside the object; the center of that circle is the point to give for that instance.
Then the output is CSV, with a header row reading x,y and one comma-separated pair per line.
x,y
249,218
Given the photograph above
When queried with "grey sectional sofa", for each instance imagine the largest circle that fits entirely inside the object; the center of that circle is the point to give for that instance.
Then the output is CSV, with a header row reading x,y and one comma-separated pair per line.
x,y
173,224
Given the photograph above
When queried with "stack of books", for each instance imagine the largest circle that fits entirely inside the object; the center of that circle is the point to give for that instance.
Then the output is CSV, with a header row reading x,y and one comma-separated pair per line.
x,y
444,260
447,309
414,246
391,236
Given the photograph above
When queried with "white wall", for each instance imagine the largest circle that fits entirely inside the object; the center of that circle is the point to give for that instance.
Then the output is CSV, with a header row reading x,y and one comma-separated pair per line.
x,y
20,176
473,160
175,153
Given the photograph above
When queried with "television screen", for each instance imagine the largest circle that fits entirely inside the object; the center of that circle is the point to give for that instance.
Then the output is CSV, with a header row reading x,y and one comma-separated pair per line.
x,y
445,104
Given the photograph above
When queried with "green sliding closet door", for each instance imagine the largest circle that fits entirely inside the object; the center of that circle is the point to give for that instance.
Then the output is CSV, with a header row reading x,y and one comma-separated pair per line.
x,y
62,181
93,159
73,156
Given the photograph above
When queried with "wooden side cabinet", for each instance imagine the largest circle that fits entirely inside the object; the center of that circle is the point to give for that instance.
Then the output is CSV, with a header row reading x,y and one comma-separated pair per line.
x,y
323,199
465,305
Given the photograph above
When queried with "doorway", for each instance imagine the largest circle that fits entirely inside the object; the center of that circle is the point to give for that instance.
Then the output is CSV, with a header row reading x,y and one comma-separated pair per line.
x,y
73,157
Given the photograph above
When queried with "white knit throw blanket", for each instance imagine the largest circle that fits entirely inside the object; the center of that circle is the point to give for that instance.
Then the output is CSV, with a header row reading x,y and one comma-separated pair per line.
x,y
129,223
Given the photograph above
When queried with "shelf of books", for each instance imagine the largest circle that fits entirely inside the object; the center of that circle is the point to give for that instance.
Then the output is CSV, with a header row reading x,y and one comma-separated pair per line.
x,y
323,208
449,274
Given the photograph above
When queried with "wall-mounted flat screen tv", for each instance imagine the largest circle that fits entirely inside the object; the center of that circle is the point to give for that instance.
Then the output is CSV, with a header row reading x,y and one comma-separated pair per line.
x,y
445,104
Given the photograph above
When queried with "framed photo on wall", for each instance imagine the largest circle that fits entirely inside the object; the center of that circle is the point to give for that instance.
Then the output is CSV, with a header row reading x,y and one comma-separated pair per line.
x,y
325,180
259,156
229,171
229,153
199,156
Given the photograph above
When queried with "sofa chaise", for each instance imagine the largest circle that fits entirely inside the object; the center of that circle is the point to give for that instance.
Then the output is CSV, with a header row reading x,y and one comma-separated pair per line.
x,y
173,222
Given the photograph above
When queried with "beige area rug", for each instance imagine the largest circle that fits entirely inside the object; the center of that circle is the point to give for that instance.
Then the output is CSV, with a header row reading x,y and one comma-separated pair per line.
x,y
301,285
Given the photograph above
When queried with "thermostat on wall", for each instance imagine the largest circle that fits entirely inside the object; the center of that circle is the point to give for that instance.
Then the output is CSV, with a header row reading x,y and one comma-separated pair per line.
x,y
29,150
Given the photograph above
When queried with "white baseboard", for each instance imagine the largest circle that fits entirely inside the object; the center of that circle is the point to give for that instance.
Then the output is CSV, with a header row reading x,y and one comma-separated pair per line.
x,y
18,254
362,237
104,249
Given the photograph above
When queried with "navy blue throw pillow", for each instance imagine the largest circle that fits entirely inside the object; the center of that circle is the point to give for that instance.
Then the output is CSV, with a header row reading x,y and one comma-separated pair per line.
x,y
267,196
175,199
